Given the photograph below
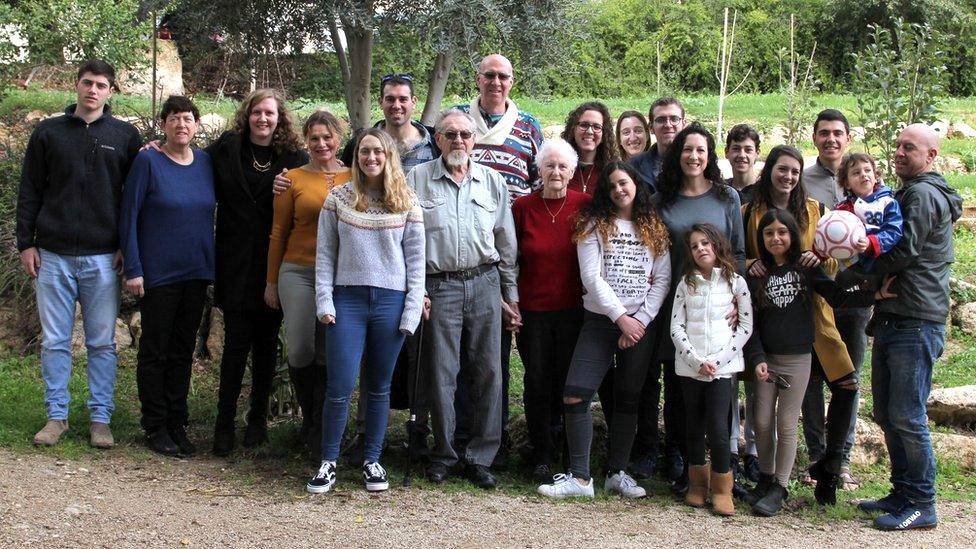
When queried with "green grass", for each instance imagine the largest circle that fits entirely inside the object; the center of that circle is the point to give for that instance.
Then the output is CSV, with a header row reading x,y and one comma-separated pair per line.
x,y
278,471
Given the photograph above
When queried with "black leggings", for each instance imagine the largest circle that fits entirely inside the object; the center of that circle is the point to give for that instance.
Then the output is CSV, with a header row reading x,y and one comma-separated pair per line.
x,y
594,355
707,405
253,332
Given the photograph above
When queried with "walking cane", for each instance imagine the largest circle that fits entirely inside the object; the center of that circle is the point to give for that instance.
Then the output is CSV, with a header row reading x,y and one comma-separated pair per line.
x,y
408,476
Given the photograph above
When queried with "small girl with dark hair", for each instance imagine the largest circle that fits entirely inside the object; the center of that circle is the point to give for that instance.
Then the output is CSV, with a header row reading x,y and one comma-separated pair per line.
x,y
708,352
622,247
781,348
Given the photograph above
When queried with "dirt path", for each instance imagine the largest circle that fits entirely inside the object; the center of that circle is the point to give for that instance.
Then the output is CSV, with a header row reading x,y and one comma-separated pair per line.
x,y
119,502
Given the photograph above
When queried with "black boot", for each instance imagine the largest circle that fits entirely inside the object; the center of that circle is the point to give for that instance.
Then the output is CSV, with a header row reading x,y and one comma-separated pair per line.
x,y
318,400
772,502
223,440
302,381
826,472
759,492
738,490
256,432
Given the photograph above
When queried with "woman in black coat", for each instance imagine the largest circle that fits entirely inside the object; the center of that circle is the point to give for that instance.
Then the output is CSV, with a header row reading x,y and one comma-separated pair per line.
x,y
245,161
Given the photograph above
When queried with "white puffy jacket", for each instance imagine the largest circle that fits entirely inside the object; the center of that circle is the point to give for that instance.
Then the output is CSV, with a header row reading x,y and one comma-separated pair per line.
x,y
699,328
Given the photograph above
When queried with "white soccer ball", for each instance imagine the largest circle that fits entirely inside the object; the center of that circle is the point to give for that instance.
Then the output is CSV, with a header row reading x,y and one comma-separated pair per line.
x,y
837,234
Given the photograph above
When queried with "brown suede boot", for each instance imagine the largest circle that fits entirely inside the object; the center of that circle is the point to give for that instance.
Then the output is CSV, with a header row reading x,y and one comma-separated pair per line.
x,y
697,485
51,433
722,494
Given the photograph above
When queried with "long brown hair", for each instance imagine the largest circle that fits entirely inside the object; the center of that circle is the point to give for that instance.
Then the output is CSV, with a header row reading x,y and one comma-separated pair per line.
x,y
600,213
285,138
724,258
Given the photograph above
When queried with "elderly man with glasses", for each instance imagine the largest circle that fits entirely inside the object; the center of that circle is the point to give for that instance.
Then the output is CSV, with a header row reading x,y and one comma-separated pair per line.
x,y
507,140
471,269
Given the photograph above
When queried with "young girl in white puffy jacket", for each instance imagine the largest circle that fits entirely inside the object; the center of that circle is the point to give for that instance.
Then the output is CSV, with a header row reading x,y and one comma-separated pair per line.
x,y
707,354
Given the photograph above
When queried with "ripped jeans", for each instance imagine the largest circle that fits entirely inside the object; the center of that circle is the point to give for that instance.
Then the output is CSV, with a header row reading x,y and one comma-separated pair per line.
x,y
367,321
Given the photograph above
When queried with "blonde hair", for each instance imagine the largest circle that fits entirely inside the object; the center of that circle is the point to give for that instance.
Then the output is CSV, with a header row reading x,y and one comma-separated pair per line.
x,y
285,138
397,196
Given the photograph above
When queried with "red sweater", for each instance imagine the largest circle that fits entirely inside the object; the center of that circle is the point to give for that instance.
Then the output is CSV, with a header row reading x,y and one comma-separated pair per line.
x,y
584,179
549,275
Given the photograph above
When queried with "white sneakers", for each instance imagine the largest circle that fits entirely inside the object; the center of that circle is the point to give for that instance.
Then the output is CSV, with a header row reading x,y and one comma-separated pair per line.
x,y
625,485
565,486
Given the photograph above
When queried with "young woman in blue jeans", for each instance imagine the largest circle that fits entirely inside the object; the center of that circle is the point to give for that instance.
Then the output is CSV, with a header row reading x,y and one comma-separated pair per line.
x,y
369,290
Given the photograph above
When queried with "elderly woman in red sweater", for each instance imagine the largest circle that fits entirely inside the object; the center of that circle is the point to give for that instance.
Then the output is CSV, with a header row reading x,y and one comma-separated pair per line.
x,y
550,294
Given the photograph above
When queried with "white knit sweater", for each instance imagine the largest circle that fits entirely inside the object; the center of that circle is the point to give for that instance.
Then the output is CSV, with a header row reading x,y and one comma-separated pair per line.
x,y
372,248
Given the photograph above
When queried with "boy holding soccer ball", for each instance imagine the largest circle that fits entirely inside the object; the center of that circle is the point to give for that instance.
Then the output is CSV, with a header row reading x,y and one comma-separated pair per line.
x,y
873,203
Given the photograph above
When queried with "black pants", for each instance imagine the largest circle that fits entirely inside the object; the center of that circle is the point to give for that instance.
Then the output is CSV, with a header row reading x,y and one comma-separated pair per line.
x,y
596,351
707,405
850,325
254,332
546,342
170,320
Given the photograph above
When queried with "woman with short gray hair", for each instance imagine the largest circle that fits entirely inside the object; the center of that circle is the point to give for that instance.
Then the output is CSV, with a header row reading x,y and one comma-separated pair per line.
x,y
550,294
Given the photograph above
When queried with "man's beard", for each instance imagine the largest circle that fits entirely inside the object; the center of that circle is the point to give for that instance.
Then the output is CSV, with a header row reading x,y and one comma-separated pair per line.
x,y
456,159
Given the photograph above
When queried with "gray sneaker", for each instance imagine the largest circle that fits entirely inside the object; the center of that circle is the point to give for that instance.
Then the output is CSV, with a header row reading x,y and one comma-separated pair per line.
x,y
51,433
625,485
101,436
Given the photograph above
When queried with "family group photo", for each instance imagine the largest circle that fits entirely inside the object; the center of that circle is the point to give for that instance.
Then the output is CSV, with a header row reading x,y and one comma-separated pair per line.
x,y
456,273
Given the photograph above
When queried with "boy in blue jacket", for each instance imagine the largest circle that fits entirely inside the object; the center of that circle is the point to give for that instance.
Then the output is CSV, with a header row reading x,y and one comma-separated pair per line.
x,y
873,203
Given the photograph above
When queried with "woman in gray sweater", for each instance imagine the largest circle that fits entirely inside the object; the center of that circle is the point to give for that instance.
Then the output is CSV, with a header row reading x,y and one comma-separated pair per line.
x,y
369,289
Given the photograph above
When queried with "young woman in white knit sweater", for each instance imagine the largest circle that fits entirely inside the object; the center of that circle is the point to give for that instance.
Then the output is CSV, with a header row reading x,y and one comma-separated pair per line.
x,y
707,354
369,290
626,271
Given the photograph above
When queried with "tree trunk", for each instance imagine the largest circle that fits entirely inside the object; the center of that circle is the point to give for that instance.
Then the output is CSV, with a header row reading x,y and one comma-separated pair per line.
x,y
359,67
340,51
437,86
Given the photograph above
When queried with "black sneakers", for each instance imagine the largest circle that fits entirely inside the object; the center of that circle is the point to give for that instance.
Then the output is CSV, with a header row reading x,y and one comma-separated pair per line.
x,y
375,477
178,434
324,479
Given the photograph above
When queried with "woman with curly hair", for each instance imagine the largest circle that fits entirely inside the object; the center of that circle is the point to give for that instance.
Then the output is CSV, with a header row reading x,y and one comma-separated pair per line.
x,y
245,160
632,134
369,293
588,130
690,191
623,256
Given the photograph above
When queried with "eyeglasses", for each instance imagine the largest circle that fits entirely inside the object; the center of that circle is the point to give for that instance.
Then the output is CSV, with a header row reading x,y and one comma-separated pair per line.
x,y
452,135
491,75
405,76
662,120
589,126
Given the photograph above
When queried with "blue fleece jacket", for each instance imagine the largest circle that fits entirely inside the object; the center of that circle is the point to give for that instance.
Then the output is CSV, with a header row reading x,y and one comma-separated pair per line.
x,y
166,225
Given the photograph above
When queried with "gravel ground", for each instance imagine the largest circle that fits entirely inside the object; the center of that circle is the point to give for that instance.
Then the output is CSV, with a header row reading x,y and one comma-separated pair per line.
x,y
122,502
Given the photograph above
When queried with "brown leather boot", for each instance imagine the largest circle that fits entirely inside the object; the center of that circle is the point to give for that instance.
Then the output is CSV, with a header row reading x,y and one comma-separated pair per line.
x,y
722,494
697,485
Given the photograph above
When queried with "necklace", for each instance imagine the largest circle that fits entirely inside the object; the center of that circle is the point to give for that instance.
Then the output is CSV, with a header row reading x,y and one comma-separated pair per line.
x,y
586,175
553,215
261,167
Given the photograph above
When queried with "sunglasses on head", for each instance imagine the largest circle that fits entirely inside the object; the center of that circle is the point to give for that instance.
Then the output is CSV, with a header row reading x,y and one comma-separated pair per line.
x,y
405,76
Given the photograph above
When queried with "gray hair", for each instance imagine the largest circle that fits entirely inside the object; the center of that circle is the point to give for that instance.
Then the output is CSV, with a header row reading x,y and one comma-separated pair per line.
x,y
556,145
454,111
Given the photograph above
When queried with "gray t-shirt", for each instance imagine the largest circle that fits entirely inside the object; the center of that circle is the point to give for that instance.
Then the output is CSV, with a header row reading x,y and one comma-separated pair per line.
x,y
719,206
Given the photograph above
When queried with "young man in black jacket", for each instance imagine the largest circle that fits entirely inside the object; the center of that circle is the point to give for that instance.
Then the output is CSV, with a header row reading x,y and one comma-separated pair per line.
x,y
67,235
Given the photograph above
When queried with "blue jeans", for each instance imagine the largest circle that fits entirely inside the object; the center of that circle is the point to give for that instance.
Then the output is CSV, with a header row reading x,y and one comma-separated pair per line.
x,y
901,377
367,320
90,280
